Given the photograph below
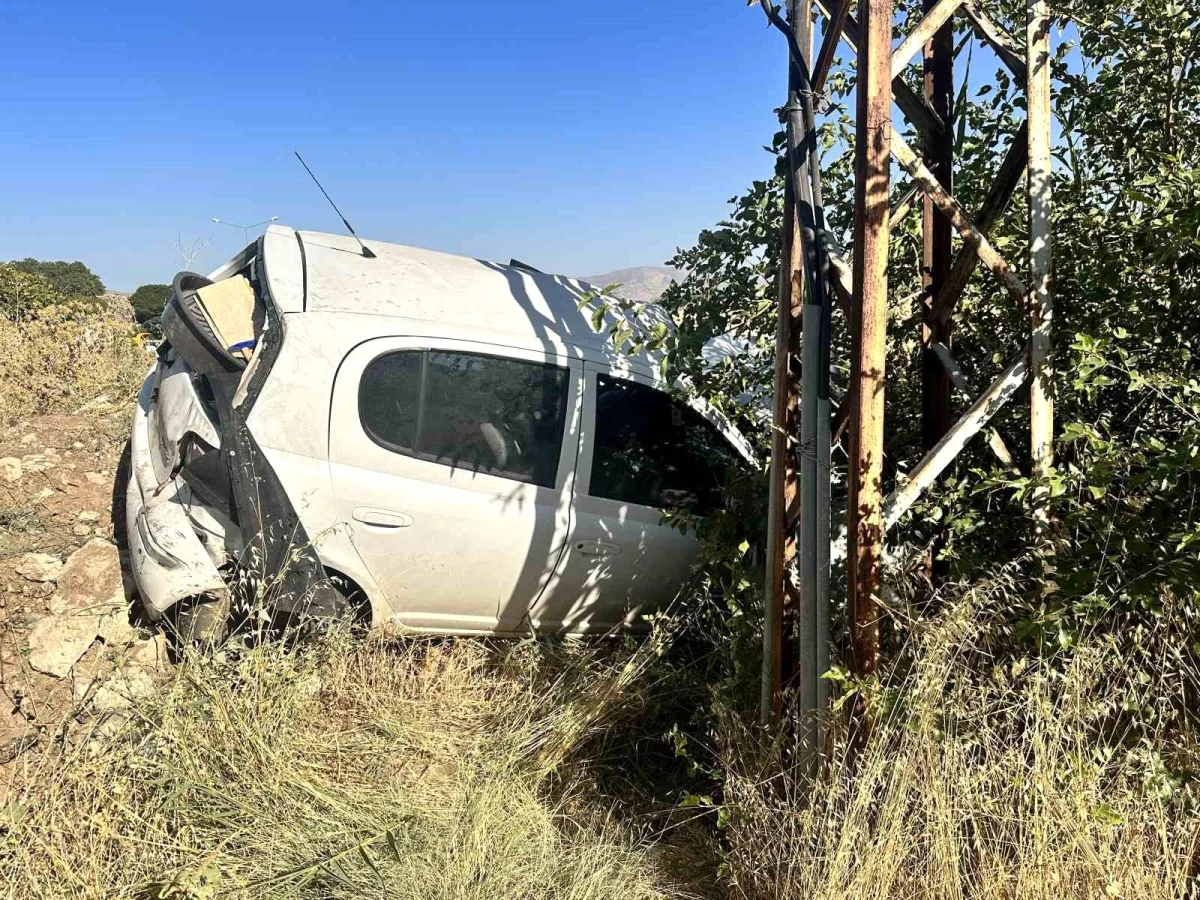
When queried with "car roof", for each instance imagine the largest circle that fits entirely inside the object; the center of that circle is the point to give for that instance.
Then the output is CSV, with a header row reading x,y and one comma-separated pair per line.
x,y
309,271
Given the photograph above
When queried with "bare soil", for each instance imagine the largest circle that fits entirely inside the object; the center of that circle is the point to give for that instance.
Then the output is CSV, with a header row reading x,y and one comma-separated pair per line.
x,y
63,497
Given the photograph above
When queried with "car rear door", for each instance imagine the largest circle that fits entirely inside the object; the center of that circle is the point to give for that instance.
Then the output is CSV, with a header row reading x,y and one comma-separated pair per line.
x,y
640,451
451,465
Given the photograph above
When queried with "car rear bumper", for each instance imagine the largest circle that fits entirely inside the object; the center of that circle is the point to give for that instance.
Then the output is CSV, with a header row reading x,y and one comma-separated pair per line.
x,y
168,560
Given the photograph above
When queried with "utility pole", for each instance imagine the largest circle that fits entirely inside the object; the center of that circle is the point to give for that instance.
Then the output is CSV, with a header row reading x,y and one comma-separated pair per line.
x,y
779,650
1041,402
872,179
804,295
812,271
937,232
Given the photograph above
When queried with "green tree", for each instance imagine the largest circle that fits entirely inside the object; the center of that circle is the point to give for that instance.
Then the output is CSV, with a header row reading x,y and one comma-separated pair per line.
x,y
148,301
71,279
1126,340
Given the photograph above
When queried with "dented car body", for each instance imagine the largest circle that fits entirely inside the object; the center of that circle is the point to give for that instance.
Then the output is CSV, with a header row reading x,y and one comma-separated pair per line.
x,y
446,442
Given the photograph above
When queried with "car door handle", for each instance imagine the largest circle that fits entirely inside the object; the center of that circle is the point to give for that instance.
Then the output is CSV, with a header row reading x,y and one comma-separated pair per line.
x,y
382,518
597,548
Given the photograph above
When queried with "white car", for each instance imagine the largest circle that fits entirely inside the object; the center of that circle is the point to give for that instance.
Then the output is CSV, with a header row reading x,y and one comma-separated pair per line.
x,y
434,441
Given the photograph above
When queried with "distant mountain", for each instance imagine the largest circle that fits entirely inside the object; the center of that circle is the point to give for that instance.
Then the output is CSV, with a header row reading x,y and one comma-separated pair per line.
x,y
639,284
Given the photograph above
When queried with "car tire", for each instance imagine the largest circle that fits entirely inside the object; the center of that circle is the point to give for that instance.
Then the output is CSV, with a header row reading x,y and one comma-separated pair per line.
x,y
200,621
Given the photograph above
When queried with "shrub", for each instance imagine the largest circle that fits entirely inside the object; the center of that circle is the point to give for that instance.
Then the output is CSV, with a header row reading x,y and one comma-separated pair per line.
x,y
148,301
63,357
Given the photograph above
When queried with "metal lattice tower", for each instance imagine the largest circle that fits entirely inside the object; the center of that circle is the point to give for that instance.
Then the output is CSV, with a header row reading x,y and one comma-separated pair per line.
x,y
814,275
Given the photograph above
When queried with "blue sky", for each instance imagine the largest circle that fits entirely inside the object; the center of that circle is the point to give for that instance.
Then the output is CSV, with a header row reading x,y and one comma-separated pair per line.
x,y
577,137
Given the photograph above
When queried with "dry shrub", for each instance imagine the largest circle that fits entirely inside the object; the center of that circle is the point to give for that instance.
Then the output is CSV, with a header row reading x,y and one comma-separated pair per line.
x,y
383,770
1023,784
61,357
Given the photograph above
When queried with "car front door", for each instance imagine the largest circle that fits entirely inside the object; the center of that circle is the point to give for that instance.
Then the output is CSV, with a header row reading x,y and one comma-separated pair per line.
x,y
451,465
640,451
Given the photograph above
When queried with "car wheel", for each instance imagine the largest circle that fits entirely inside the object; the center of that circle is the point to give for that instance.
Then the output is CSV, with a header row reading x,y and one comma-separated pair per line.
x,y
200,621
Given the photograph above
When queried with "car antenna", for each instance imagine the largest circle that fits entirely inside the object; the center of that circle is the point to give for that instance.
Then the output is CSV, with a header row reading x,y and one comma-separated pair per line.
x,y
365,251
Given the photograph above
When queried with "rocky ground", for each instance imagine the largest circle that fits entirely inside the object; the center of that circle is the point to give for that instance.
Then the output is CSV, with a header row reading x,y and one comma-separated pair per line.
x,y
74,653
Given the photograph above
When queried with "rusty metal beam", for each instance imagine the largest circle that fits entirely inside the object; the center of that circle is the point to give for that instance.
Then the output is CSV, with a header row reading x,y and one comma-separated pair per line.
x,y
911,104
833,30
993,206
969,424
781,544
959,380
967,230
1000,41
936,15
841,268
868,332
937,231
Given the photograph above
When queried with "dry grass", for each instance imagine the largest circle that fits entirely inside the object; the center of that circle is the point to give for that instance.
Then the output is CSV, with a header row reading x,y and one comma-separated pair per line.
x,y
415,770
457,769
977,791
60,358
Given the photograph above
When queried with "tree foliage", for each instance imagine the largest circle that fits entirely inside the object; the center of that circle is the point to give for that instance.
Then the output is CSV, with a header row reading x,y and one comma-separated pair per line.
x,y
70,279
148,301
1126,227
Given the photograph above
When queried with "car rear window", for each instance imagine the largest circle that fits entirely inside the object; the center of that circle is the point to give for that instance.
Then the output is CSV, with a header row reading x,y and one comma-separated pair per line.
x,y
467,410
653,450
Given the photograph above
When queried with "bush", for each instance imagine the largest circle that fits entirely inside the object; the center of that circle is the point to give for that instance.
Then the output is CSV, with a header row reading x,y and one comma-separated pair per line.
x,y
63,357
57,353
148,301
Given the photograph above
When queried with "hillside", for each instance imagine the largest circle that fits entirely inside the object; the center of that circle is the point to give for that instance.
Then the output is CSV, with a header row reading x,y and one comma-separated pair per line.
x,y
639,284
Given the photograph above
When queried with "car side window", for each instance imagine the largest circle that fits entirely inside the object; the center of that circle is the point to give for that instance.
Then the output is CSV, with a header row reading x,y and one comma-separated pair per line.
x,y
467,410
652,450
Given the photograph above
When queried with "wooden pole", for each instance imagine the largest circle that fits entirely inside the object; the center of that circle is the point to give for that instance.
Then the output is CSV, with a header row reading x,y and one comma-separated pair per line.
x,y
778,653
868,332
1041,403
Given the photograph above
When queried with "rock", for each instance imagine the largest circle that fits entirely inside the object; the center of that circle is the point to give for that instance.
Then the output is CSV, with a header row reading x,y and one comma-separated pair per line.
x,y
39,567
58,641
94,478
81,530
45,494
151,654
88,515
106,729
77,445
29,438
122,690
114,629
91,579
11,468
40,462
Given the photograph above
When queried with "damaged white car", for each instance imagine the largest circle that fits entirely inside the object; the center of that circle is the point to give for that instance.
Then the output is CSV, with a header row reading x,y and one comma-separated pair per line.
x,y
411,437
